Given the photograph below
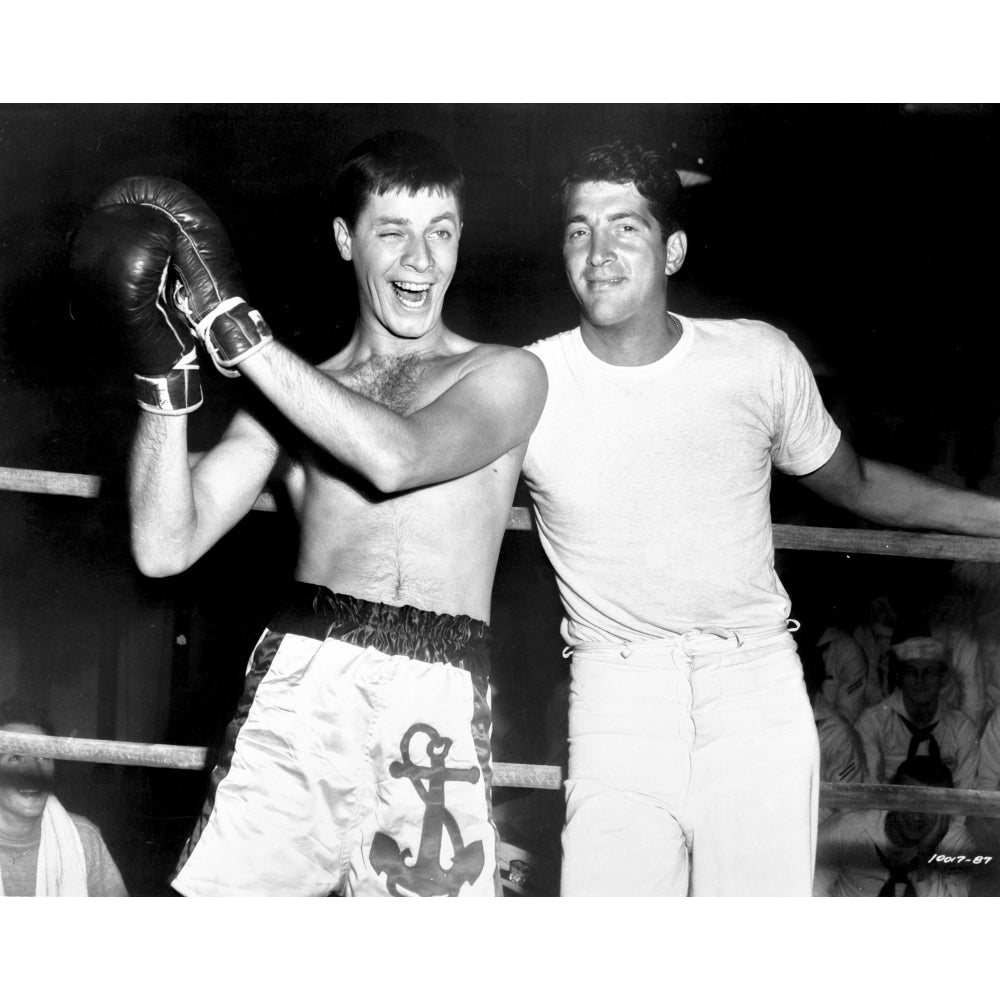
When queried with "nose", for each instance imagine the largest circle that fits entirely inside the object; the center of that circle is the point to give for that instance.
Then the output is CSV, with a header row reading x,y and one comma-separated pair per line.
x,y
31,767
418,254
23,770
600,251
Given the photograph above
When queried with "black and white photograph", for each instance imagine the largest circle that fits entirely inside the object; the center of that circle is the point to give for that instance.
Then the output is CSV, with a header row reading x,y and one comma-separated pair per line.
x,y
499,499
243,416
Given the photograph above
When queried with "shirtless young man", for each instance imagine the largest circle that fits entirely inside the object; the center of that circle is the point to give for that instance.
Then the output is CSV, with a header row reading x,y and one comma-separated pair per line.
x,y
358,760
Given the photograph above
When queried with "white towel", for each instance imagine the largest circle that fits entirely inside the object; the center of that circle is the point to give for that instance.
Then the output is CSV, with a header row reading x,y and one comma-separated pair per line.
x,y
62,866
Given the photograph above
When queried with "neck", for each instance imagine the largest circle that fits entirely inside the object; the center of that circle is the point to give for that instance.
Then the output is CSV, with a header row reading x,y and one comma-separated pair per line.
x,y
631,344
370,337
19,829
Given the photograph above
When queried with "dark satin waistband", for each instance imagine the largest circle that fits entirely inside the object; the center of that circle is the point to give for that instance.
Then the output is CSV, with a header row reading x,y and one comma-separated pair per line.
x,y
316,612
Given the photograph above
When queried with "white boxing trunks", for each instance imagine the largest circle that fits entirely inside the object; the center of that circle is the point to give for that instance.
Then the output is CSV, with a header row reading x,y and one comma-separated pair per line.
x,y
358,762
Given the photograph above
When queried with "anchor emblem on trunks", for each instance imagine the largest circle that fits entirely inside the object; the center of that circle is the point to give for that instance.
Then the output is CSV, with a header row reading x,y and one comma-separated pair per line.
x,y
425,876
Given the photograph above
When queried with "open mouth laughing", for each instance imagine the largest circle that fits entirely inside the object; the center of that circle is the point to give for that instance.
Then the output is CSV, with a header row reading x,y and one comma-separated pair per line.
x,y
412,294
31,793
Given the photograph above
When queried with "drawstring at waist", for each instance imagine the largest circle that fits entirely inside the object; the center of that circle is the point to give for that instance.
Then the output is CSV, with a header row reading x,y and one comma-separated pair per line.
x,y
685,640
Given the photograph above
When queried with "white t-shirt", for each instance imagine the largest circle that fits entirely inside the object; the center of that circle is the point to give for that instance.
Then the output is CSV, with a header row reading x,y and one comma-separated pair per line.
x,y
651,485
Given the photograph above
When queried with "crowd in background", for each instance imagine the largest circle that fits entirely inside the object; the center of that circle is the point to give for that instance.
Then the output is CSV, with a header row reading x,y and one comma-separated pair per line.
x,y
898,684
902,692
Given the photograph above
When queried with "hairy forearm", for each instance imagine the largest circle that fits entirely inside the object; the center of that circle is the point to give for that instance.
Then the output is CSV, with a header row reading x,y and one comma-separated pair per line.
x,y
490,408
161,499
896,496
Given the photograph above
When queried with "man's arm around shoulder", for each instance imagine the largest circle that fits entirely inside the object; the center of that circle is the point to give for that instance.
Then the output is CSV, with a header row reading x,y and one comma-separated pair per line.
x,y
890,494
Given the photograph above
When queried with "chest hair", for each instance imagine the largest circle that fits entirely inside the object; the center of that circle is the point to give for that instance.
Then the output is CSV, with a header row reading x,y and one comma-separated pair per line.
x,y
391,381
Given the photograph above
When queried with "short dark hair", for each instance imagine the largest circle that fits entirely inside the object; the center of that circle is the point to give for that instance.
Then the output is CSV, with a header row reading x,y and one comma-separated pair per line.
x,y
926,771
652,175
27,713
395,161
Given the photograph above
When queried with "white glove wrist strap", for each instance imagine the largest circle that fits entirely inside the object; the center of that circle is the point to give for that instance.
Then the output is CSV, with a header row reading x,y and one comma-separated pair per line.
x,y
228,305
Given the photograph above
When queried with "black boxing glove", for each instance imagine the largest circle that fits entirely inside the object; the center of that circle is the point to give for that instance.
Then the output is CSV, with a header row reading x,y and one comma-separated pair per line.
x,y
210,291
120,265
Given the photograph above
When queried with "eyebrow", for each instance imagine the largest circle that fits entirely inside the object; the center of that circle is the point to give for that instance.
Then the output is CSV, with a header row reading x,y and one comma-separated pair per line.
x,y
614,217
390,220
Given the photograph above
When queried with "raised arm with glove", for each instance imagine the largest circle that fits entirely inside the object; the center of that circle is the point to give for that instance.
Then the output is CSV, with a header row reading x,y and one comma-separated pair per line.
x,y
200,276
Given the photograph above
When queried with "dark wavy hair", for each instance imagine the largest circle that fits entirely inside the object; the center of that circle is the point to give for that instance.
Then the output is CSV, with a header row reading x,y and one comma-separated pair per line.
x,y
619,163
395,161
27,713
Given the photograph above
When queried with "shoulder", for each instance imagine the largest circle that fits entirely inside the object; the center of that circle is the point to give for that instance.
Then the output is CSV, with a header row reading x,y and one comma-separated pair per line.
x,y
749,340
548,345
875,716
746,332
551,349
834,723
516,362
84,825
90,834
499,353
103,876
961,722
839,639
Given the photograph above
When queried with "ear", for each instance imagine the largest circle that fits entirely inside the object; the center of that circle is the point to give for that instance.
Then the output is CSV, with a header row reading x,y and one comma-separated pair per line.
x,y
342,234
677,248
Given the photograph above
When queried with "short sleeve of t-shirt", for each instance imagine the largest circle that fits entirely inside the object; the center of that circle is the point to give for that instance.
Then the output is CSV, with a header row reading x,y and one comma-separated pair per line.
x,y
805,434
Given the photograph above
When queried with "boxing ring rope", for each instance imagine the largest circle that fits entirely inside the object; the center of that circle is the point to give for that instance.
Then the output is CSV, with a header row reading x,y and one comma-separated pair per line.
x,y
183,758
955,801
857,541
920,545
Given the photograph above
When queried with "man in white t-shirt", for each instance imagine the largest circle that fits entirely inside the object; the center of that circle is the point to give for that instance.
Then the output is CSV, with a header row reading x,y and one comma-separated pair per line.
x,y
693,752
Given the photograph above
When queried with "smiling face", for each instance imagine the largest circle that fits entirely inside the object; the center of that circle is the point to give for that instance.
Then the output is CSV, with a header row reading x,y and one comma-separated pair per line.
x,y
25,782
616,259
404,249
920,682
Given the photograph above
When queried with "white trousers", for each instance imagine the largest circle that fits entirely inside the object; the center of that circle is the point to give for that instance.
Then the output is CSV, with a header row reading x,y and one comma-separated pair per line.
x,y
694,768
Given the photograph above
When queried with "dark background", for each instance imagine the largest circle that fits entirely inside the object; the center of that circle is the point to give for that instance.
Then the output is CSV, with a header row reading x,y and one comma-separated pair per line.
x,y
866,232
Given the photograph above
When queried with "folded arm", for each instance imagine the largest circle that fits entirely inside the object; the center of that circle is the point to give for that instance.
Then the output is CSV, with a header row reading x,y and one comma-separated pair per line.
x,y
490,409
890,494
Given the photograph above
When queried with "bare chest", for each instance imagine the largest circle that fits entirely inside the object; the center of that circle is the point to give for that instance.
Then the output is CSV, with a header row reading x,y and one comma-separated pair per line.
x,y
400,384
